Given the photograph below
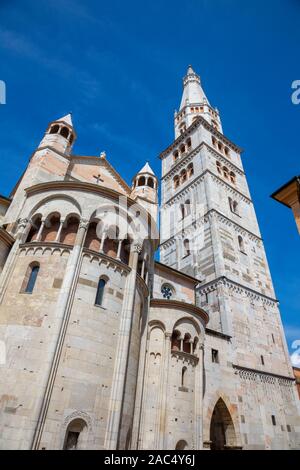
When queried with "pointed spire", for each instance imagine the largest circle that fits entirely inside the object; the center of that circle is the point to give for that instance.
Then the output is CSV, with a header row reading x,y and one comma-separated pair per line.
x,y
147,169
192,92
67,119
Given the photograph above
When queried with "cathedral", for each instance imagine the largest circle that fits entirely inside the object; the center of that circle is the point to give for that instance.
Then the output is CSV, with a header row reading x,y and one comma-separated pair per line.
x,y
104,347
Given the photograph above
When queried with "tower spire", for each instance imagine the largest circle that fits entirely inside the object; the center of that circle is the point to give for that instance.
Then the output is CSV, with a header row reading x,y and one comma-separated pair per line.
x,y
194,102
193,92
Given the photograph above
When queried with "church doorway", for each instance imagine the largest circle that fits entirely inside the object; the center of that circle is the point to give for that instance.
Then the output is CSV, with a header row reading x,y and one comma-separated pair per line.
x,y
222,433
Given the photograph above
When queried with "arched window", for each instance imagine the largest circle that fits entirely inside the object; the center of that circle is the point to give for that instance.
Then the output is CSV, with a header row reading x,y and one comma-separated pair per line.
x,y
175,341
100,292
54,129
214,141
183,176
230,204
183,376
182,211
182,148
150,183
219,167
190,170
226,150
241,244
176,181
189,142
186,246
225,172
181,445
35,226
31,277
232,177
187,207
141,181
187,344
175,155
64,132
167,291
235,207
220,146
75,434
182,128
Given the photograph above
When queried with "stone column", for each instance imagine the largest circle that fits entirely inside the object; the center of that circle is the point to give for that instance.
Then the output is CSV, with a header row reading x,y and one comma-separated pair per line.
x,y
57,238
102,241
119,249
39,234
63,311
161,443
120,368
22,232
198,399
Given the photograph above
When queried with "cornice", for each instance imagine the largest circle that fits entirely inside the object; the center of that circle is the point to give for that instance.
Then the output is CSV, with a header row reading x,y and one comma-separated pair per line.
x,y
218,334
246,372
175,304
185,159
164,267
237,287
220,180
242,229
101,257
196,223
194,125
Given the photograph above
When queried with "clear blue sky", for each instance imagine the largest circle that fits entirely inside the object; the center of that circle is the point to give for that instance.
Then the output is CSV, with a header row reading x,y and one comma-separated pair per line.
x,y
117,66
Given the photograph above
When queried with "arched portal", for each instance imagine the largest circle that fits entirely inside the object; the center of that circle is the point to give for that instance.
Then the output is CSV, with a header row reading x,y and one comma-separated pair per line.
x,y
222,433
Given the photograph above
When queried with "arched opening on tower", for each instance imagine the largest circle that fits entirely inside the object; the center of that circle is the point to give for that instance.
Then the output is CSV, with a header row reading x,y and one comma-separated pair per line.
x,y
75,435
222,433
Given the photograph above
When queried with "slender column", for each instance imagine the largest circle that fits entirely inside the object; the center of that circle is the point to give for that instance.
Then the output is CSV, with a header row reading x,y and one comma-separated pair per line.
x,y
57,239
143,269
191,346
63,311
102,241
22,232
39,234
120,368
119,249
198,396
181,344
162,444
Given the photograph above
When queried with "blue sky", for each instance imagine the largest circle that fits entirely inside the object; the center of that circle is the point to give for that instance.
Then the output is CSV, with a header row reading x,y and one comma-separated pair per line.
x,y
117,66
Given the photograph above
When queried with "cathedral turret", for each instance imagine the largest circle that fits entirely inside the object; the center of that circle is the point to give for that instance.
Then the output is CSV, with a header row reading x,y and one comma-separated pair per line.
x,y
194,103
144,189
60,135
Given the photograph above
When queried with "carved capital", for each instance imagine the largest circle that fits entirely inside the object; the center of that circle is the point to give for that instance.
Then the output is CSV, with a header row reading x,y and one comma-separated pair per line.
x,y
84,223
137,247
22,223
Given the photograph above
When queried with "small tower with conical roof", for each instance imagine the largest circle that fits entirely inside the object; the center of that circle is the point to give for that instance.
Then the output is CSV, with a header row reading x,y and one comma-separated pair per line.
x,y
60,135
145,188
194,103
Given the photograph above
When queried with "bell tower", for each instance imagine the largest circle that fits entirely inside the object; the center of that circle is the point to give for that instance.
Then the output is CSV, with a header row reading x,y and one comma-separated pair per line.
x,y
144,190
60,135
